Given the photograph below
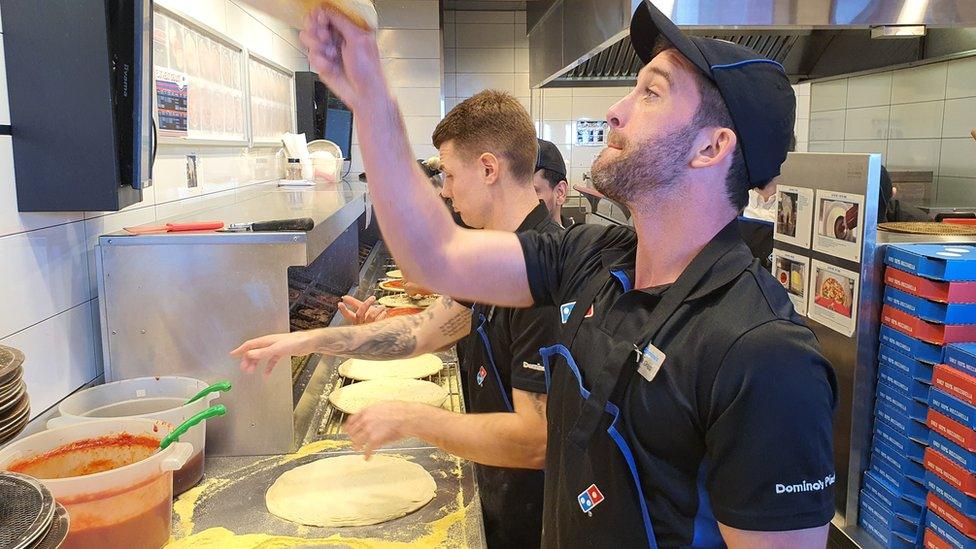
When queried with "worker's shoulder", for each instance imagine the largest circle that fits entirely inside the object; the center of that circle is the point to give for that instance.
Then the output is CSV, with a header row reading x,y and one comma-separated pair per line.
x,y
599,236
757,301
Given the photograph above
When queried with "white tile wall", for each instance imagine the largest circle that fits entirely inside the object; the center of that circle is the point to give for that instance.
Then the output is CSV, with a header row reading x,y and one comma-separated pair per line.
x,y
408,14
59,355
869,91
961,78
916,120
47,283
919,118
829,95
925,83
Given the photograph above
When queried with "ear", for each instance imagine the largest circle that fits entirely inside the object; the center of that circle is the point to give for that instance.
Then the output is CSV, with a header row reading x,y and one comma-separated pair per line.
x,y
489,168
715,145
559,192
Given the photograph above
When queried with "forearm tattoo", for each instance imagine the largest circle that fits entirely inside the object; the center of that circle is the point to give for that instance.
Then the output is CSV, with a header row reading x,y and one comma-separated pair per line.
x,y
456,326
384,340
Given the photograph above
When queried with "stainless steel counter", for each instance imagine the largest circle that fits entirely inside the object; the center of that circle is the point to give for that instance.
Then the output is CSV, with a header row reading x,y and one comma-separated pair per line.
x,y
228,508
177,303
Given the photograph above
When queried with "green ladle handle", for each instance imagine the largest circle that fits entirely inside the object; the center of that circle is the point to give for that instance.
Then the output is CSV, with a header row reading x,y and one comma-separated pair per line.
x,y
219,386
210,412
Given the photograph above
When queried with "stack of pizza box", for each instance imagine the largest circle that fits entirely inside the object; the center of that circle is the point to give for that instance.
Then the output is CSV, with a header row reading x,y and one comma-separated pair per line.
x,y
920,486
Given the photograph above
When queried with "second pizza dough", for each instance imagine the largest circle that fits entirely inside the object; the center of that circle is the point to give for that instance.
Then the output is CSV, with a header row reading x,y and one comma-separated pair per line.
x,y
353,398
350,491
409,368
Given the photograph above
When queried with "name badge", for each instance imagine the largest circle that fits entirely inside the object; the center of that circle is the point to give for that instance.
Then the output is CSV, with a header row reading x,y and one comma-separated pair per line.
x,y
649,362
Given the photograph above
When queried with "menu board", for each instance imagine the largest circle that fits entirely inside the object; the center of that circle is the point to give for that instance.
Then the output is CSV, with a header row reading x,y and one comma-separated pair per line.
x,y
272,100
210,105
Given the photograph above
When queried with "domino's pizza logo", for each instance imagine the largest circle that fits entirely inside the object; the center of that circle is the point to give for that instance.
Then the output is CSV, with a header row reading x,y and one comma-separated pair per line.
x,y
482,374
566,309
590,498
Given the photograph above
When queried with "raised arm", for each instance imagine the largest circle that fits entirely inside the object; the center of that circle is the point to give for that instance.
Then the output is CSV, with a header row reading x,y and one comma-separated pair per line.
x,y
443,323
482,266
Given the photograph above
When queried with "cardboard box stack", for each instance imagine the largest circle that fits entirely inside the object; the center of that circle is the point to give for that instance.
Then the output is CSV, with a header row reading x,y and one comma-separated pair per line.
x,y
921,485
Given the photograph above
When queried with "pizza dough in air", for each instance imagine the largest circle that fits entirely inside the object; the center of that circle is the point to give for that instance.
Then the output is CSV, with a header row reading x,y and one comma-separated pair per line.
x,y
410,368
353,398
350,491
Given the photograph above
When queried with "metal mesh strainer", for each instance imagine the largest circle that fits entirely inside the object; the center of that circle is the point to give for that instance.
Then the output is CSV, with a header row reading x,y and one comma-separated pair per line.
x,y
26,510
10,361
58,531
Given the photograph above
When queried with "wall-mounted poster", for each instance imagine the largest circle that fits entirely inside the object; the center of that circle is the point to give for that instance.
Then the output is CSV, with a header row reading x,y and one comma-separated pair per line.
x,y
839,224
833,297
794,215
793,271
172,90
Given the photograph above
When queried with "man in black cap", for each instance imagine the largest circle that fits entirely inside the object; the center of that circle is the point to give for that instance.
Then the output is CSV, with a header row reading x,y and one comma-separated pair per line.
x,y
550,180
688,404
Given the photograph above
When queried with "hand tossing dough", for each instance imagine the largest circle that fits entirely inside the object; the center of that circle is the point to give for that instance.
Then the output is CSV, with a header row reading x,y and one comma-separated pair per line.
x,y
410,368
353,398
350,491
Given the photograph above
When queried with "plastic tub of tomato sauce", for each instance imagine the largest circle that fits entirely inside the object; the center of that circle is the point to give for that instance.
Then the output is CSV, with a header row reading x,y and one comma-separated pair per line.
x,y
110,475
163,398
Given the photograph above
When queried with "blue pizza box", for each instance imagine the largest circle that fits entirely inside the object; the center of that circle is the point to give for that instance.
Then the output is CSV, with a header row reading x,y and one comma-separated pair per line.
x,y
881,534
937,261
887,454
889,356
901,485
886,518
914,348
945,531
962,356
953,451
907,447
899,421
891,394
911,388
953,408
932,311
950,494
880,490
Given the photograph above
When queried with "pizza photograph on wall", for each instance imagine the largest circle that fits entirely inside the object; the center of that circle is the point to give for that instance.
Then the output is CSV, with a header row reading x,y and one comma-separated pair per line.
x,y
833,297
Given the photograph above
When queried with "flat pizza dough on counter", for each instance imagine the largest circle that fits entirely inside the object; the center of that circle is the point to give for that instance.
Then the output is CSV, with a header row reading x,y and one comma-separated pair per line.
x,y
353,398
417,367
394,274
350,491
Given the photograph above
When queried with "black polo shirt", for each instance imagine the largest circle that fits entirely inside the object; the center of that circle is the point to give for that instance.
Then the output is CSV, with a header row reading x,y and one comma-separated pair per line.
x,y
516,335
742,406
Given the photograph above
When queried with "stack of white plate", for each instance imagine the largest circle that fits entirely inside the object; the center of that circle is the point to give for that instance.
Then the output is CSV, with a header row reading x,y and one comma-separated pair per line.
x,y
14,403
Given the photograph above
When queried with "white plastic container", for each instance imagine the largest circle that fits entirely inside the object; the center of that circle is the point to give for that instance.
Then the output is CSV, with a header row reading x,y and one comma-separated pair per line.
x,y
127,506
159,398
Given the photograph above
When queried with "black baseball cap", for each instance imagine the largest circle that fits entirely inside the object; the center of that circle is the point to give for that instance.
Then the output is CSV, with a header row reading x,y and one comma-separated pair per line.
x,y
550,158
756,90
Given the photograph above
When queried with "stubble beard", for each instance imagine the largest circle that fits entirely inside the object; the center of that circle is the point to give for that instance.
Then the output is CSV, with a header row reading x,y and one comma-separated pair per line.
x,y
644,168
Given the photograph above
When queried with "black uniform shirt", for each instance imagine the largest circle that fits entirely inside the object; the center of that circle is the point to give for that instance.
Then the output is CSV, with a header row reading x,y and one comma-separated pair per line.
x,y
516,335
743,403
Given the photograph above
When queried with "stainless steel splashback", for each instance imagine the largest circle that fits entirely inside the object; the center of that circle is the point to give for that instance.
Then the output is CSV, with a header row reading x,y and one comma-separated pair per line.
x,y
812,38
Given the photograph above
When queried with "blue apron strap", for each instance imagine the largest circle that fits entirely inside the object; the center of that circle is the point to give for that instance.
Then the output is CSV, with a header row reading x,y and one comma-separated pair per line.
x,y
491,363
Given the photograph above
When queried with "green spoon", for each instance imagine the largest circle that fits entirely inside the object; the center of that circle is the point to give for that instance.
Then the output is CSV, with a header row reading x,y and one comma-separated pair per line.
x,y
210,412
219,386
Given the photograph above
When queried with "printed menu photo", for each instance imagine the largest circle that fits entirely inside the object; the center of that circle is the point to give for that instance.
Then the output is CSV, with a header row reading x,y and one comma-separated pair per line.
x,y
833,297
794,215
792,271
838,224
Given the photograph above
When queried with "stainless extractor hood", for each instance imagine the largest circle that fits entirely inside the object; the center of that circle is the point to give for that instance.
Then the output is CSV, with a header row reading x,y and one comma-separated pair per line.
x,y
586,42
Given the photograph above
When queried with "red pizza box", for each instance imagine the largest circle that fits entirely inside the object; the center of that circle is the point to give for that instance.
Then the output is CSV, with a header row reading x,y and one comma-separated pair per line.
x,y
951,472
943,292
955,382
938,334
951,515
933,541
952,430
